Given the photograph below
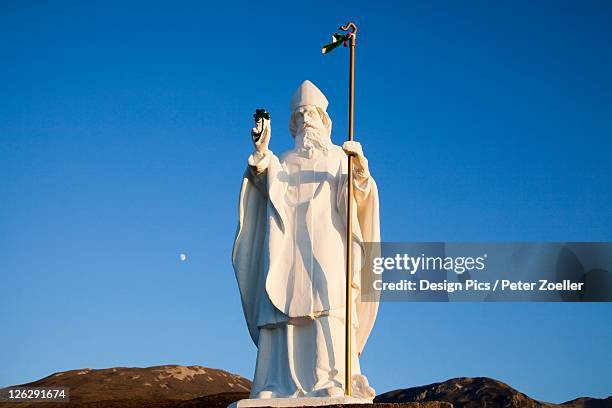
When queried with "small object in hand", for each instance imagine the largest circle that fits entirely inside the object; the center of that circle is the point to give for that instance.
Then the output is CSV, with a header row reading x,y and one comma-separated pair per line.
x,y
260,115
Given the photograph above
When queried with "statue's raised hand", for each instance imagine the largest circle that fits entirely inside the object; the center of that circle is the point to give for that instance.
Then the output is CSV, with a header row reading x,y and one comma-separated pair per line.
x,y
260,134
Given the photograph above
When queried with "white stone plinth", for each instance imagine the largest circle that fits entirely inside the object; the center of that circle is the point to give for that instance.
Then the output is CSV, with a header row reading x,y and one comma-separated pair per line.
x,y
298,402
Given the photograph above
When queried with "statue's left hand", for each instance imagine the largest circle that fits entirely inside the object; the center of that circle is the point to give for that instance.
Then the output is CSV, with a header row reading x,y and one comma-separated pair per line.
x,y
354,149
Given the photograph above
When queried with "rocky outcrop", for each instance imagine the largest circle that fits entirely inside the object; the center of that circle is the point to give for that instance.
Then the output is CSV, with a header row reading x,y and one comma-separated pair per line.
x,y
480,392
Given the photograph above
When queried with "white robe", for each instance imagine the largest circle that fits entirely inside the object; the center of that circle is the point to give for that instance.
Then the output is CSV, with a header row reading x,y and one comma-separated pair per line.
x,y
289,260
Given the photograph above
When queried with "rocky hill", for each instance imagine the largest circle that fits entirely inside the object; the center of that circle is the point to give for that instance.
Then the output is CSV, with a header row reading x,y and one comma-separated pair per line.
x,y
481,392
175,386
129,385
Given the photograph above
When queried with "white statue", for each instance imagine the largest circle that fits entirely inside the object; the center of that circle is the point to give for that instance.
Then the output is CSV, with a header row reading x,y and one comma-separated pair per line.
x,y
289,256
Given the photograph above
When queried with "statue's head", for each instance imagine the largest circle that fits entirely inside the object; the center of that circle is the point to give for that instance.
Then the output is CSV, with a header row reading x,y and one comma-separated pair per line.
x,y
310,124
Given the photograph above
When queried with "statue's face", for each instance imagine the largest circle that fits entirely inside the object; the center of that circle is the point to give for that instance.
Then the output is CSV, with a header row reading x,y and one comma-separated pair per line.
x,y
307,117
309,130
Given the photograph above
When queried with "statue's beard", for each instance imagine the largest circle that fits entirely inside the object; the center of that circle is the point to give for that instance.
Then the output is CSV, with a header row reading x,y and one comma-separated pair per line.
x,y
310,139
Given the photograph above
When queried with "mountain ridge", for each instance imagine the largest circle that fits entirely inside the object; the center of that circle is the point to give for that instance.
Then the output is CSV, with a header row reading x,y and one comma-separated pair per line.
x,y
177,386
476,392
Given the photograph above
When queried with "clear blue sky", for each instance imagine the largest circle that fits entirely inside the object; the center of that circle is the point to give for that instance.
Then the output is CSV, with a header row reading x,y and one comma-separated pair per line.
x,y
124,132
